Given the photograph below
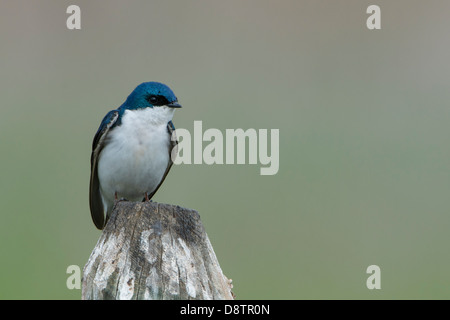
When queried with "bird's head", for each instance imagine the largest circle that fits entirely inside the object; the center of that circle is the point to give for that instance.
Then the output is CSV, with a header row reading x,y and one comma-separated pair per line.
x,y
151,95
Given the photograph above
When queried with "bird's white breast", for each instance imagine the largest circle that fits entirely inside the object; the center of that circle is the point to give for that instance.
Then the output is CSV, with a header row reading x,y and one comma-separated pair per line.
x,y
135,156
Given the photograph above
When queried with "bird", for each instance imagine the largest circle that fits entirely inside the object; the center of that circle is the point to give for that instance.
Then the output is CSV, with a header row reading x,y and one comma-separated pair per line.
x,y
132,150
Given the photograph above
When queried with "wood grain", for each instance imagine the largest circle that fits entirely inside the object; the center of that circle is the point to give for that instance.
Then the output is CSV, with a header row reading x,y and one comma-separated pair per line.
x,y
149,251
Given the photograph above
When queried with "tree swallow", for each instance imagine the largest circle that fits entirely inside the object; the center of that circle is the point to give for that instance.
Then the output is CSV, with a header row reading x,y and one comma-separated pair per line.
x,y
131,151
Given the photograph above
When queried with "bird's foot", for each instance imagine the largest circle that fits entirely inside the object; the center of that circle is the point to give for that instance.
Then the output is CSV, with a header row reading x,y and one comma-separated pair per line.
x,y
146,198
120,200
117,200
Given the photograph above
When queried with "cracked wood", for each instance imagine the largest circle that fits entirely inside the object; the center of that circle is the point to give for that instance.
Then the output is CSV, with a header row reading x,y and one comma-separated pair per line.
x,y
150,250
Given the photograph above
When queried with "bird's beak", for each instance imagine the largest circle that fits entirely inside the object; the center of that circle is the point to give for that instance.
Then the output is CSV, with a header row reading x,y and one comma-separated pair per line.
x,y
174,105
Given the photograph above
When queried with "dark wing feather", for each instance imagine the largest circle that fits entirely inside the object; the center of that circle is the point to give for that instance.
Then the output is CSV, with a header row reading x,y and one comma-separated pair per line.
x,y
173,150
95,199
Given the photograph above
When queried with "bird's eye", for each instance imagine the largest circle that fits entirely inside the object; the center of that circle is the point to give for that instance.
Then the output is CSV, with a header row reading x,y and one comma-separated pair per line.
x,y
157,100
153,99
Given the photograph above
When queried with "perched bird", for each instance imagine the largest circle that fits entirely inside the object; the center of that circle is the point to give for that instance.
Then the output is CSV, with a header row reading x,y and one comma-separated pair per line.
x,y
131,151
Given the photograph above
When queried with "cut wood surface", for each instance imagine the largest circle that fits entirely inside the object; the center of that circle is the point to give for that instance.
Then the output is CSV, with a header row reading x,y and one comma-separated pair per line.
x,y
151,250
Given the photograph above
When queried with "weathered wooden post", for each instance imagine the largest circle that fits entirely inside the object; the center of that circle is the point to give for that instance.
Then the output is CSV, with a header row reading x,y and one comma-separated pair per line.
x,y
151,250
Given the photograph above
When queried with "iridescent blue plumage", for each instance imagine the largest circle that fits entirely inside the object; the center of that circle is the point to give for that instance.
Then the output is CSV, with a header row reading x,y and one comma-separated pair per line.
x,y
138,98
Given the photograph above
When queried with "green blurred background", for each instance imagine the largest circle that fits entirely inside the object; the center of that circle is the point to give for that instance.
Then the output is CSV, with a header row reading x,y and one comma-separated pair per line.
x,y
364,138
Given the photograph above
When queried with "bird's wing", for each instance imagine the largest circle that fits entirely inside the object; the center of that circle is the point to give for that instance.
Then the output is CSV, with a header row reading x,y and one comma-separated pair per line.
x,y
173,150
95,198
